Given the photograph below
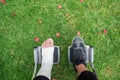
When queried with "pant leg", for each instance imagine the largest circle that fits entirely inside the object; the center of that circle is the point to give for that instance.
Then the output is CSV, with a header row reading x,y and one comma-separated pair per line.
x,y
87,75
41,78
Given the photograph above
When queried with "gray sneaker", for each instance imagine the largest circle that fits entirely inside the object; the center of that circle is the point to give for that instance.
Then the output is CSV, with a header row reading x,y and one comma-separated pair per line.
x,y
78,50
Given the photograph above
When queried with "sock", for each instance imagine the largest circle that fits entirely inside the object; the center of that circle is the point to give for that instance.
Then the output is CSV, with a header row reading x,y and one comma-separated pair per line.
x,y
47,62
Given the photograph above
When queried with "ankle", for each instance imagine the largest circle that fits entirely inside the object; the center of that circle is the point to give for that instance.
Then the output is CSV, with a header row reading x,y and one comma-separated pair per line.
x,y
80,68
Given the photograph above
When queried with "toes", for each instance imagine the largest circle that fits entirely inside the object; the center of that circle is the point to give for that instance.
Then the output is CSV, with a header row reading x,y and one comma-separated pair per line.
x,y
43,44
48,43
51,42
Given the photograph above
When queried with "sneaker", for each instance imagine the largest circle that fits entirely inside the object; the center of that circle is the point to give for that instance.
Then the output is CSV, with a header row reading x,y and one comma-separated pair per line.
x,y
78,49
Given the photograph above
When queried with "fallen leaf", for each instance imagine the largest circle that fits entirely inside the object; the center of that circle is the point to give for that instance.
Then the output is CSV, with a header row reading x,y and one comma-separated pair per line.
x,y
105,31
40,21
59,7
98,33
66,15
58,34
36,39
78,33
13,14
81,0
3,1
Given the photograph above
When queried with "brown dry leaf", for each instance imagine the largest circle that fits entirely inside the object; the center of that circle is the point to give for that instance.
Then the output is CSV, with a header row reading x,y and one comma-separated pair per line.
x,y
36,39
40,21
3,1
59,7
81,0
58,34
67,15
78,33
13,14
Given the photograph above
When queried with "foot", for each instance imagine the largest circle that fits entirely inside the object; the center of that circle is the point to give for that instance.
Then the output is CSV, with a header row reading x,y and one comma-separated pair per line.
x,y
78,46
47,58
80,68
47,51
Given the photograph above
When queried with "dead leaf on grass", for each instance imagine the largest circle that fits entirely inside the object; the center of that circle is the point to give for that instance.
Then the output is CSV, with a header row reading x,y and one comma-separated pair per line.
x,y
40,21
59,7
13,14
3,1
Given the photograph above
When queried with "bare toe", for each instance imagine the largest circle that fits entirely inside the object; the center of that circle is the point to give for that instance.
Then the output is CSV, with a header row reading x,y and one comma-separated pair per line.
x,y
48,43
43,44
51,42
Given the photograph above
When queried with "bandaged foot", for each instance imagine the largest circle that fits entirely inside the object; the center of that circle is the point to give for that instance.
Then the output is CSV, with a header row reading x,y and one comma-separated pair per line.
x,y
47,58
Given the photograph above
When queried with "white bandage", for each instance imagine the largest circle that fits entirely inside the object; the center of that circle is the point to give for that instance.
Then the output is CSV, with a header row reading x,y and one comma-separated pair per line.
x,y
47,62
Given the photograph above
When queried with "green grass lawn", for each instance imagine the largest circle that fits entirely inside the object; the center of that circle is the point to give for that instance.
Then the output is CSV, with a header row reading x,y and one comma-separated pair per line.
x,y
90,17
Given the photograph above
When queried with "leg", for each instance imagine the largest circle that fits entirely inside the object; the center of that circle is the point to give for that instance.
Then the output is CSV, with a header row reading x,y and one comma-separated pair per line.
x,y
47,60
84,74
79,60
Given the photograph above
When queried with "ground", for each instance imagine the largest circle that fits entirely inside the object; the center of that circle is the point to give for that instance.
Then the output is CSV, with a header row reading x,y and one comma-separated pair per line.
x,y
97,22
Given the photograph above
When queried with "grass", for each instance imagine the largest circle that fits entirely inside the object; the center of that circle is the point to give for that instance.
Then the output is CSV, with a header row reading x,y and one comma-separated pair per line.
x,y
17,35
